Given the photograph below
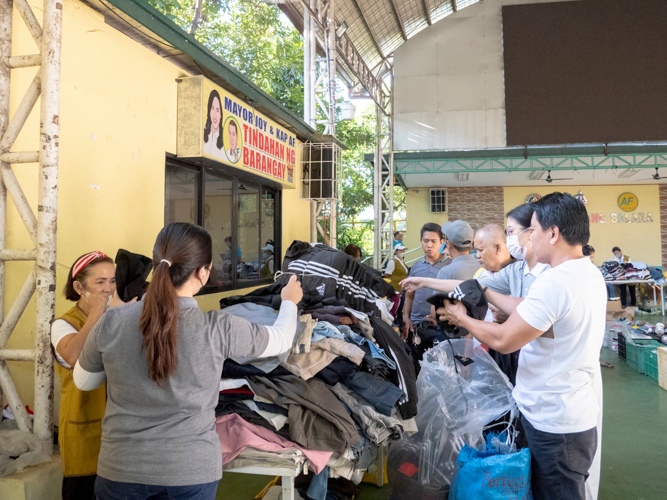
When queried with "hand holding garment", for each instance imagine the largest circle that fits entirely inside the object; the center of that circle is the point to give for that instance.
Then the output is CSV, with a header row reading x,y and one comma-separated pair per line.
x,y
471,295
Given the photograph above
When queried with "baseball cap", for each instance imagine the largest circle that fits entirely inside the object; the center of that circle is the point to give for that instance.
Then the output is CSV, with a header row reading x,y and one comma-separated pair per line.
x,y
268,247
399,246
459,233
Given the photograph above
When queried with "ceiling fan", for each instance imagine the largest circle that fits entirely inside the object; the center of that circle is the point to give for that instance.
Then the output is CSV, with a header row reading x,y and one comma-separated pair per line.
x,y
655,177
549,179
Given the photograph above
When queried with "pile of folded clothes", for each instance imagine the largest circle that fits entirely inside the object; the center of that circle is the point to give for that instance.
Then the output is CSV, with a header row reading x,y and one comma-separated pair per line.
x,y
612,270
347,386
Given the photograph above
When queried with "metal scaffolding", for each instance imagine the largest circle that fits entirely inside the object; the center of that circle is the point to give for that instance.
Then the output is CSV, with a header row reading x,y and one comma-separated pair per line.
x,y
319,94
42,229
383,165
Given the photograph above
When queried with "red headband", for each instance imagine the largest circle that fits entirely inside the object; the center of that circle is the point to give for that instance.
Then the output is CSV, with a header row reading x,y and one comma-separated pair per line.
x,y
84,261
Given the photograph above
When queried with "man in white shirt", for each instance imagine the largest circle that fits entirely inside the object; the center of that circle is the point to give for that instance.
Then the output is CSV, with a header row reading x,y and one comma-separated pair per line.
x,y
559,328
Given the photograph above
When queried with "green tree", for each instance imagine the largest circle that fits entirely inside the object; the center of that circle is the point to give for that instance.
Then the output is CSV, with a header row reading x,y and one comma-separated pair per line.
x,y
253,37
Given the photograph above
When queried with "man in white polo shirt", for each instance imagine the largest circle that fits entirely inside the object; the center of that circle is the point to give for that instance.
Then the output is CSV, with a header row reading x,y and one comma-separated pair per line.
x,y
559,327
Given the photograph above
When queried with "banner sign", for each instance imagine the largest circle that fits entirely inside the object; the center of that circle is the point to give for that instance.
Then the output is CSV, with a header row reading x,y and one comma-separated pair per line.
x,y
216,124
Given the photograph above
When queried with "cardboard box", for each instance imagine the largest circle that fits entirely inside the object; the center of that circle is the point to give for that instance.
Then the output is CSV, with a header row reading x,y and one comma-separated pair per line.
x,y
627,313
614,306
662,367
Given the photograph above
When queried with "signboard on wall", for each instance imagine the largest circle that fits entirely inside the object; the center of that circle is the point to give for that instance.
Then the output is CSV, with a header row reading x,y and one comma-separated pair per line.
x,y
215,124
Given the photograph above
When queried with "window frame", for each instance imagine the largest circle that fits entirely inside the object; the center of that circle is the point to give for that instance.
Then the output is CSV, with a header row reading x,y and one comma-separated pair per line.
x,y
204,166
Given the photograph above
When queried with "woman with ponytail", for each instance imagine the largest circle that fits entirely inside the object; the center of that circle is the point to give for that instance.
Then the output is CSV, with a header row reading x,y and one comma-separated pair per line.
x,y
162,358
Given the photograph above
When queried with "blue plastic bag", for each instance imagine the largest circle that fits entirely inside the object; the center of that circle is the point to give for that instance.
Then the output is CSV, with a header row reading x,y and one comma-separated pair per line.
x,y
490,474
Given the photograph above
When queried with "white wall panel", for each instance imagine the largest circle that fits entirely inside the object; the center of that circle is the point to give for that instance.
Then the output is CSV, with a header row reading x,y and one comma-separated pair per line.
x,y
450,77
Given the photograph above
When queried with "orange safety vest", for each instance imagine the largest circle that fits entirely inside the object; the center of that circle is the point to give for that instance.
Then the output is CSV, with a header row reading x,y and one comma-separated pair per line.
x,y
81,414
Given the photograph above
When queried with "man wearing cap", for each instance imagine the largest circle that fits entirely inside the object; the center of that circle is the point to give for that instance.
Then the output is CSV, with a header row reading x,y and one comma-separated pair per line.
x,y
459,236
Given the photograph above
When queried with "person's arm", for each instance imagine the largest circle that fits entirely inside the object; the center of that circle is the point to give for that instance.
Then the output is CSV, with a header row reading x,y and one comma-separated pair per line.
x,y
389,270
89,371
407,310
251,340
439,285
505,303
506,338
70,346
87,381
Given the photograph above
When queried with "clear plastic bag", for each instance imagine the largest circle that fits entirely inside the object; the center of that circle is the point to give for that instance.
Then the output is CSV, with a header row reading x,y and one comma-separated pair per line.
x,y
461,391
19,450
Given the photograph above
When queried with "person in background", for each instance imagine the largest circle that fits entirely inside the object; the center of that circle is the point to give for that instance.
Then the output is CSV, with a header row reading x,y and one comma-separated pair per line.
x,y
458,242
625,259
267,269
396,271
91,283
398,238
416,308
589,252
162,358
354,251
492,253
559,328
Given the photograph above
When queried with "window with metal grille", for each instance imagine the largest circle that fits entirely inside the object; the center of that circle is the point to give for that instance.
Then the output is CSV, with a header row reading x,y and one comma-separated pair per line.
x,y
438,201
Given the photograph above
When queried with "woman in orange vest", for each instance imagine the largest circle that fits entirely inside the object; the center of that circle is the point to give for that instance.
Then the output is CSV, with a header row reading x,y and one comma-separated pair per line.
x,y
91,283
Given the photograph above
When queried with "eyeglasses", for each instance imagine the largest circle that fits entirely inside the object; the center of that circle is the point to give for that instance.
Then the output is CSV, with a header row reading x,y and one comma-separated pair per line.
x,y
510,231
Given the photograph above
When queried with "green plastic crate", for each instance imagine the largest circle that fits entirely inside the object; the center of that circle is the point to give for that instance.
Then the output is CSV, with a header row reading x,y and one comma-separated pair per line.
x,y
651,362
635,352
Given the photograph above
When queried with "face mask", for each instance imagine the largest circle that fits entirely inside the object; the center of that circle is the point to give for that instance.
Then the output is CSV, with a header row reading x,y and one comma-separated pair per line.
x,y
516,250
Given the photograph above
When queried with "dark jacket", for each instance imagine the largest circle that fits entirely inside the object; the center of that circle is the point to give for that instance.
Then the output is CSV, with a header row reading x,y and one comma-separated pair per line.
x,y
404,376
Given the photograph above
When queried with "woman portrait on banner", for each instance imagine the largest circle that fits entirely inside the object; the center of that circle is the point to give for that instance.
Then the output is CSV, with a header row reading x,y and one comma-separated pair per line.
x,y
91,283
213,128
234,151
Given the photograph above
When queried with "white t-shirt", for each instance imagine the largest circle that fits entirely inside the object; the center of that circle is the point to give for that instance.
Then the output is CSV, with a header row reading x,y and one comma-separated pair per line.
x,y
59,329
555,381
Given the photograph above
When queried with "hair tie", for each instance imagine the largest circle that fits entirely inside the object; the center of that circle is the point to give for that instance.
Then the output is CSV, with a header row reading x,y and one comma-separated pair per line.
x,y
165,260
84,261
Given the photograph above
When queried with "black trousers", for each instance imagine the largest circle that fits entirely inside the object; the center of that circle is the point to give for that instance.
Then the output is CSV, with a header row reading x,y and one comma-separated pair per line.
x,y
560,462
624,297
79,488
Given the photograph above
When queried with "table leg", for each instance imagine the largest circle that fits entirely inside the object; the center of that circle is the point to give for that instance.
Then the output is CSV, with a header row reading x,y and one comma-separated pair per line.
x,y
288,487
380,466
655,297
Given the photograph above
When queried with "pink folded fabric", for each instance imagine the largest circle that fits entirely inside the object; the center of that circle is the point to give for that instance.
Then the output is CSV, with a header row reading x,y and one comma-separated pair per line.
x,y
236,435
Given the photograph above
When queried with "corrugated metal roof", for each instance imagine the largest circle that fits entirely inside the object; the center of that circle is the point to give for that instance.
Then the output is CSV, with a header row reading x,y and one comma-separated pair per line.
x,y
376,27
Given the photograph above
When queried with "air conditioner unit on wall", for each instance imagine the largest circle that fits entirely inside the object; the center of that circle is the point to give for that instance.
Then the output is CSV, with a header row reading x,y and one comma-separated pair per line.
x,y
321,171
438,201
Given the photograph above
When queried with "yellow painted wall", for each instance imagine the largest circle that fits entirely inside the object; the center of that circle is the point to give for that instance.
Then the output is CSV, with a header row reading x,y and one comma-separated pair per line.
x,y
640,241
418,213
117,121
